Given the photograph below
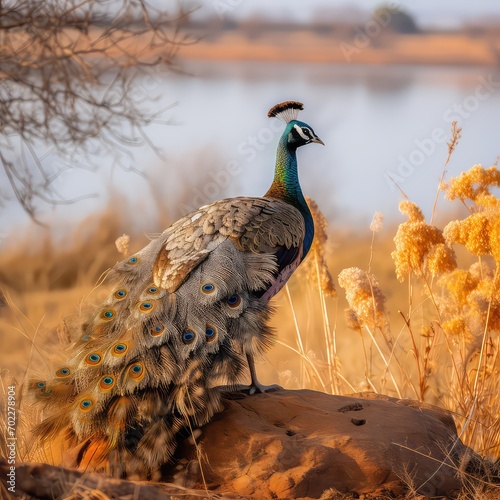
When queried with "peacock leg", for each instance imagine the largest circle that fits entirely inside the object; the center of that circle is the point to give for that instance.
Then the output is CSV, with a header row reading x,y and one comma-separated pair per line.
x,y
255,386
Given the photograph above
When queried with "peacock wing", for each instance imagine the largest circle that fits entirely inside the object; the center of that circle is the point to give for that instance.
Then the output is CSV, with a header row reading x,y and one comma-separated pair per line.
x,y
257,225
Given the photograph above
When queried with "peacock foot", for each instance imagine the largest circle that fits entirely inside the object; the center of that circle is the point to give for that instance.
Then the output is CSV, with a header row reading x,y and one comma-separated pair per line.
x,y
253,388
257,388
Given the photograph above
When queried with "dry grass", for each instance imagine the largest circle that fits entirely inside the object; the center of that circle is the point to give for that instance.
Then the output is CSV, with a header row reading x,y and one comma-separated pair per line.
x,y
442,345
421,322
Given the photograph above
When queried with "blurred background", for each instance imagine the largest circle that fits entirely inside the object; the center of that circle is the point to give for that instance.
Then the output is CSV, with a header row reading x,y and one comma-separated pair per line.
x,y
381,84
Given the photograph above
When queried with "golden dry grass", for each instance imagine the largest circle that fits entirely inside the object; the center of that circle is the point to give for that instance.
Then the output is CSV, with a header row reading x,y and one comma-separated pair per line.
x,y
417,314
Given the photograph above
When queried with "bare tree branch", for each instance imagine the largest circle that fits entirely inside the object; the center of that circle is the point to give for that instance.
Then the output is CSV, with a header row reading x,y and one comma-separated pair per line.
x,y
70,73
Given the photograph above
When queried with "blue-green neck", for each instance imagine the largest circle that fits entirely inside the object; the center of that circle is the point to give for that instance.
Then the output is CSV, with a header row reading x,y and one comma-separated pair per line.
x,y
286,186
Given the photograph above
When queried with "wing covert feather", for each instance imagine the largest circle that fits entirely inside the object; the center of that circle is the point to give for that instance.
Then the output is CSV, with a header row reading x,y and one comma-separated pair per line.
x,y
258,225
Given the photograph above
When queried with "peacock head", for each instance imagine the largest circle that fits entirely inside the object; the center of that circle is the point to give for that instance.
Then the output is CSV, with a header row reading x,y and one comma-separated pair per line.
x,y
296,133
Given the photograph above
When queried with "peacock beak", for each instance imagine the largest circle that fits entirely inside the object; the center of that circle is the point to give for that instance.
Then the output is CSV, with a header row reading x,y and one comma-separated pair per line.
x,y
318,140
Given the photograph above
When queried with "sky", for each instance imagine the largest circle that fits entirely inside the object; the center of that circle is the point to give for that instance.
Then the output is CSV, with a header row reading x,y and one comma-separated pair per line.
x,y
427,12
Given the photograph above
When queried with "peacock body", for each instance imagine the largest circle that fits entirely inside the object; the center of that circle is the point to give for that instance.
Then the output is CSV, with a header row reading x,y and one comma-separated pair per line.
x,y
185,313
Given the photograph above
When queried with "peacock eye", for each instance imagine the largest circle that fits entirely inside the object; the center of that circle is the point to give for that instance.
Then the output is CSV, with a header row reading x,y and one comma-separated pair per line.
x,y
157,330
146,306
120,294
108,314
188,337
63,372
210,333
137,372
119,349
306,131
107,382
234,300
208,288
93,359
86,404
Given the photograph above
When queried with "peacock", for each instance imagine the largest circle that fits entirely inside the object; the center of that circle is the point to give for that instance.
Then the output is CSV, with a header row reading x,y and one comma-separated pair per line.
x,y
186,312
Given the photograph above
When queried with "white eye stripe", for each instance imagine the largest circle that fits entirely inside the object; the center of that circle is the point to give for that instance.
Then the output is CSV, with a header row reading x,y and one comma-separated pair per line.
x,y
301,133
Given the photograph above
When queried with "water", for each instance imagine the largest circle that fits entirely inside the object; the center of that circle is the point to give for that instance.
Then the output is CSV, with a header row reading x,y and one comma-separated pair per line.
x,y
373,120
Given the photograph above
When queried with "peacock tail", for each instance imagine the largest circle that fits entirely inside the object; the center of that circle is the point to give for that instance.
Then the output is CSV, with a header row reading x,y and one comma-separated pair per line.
x,y
183,316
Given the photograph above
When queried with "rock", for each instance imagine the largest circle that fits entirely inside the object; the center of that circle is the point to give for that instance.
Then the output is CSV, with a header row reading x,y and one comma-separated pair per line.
x,y
306,444
295,445
46,482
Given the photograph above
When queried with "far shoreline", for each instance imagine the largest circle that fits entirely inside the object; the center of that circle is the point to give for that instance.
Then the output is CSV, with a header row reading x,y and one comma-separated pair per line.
x,y
426,49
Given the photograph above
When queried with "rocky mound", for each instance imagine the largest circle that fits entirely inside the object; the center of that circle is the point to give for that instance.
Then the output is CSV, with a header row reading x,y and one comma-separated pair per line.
x,y
306,444
294,445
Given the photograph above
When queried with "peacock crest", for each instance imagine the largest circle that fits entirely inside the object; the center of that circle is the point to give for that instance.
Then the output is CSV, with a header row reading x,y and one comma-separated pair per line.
x,y
286,111
183,316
